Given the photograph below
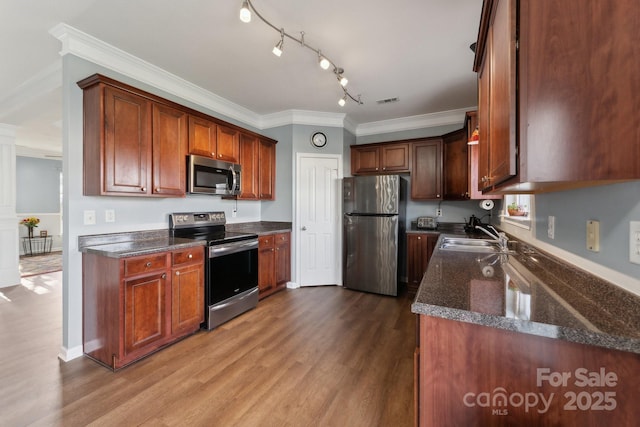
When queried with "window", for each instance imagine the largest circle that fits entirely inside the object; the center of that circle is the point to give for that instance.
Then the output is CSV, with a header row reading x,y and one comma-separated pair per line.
x,y
517,209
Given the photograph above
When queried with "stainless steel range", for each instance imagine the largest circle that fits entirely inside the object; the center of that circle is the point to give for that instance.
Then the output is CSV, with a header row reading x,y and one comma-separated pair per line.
x,y
231,267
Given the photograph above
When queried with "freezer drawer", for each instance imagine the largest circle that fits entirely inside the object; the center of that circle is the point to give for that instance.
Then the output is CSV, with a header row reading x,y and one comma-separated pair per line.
x,y
371,253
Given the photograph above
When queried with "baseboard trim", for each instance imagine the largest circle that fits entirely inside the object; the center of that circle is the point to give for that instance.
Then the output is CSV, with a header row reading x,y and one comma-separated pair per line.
x,y
67,354
292,285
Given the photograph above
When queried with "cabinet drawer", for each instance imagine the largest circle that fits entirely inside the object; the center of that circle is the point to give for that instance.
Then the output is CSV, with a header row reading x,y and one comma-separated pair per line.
x,y
187,256
265,242
282,238
143,264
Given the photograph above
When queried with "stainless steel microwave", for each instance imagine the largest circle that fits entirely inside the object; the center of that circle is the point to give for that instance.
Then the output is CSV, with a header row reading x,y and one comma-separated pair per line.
x,y
210,176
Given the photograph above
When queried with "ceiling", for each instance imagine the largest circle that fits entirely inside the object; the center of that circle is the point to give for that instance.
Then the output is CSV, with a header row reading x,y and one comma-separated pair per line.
x,y
415,50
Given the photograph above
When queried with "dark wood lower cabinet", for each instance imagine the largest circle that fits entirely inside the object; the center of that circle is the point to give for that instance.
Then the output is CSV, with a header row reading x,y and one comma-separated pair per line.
x,y
134,306
473,375
419,250
274,263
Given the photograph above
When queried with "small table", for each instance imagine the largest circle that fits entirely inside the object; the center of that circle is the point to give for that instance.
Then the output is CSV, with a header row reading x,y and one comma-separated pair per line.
x,y
37,245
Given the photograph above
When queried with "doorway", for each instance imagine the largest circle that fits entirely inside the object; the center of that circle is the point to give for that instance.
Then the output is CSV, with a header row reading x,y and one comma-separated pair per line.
x,y
318,219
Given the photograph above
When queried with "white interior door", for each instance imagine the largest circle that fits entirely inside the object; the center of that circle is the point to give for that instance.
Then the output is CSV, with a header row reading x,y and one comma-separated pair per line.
x,y
318,220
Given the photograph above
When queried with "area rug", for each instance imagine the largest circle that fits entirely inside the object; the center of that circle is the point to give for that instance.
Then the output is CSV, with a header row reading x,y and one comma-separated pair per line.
x,y
40,264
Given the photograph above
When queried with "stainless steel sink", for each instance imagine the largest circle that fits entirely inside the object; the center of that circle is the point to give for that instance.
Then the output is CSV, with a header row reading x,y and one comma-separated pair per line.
x,y
469,245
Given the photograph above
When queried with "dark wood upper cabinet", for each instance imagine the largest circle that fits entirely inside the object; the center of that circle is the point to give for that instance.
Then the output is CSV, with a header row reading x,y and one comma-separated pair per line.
x,y
380,158
136,143
250,174
456,165
202,137
556,105
169,147
426,170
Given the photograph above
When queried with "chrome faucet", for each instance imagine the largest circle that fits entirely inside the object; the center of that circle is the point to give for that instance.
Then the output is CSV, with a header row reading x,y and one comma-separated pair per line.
x,y
498,236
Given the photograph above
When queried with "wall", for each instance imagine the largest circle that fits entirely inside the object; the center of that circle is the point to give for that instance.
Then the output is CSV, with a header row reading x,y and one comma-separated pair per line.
x,y
613,205
38,194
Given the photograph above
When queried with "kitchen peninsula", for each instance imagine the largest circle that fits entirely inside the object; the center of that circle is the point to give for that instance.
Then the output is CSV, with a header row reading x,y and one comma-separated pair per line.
x,y
523,339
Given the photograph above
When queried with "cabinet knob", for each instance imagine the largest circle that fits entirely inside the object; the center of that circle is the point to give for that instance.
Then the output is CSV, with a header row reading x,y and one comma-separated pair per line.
x,y
157,189
437,195
213,154
177,273
419,238
164,276
143,188
384,169
148,264
219,155
190,256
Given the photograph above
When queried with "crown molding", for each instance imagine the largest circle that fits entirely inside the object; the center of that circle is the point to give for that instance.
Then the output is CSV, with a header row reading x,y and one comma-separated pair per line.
x,y
443,118
85,46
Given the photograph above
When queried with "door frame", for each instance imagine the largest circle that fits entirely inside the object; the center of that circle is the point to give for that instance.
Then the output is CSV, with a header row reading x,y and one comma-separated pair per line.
x,y
296,226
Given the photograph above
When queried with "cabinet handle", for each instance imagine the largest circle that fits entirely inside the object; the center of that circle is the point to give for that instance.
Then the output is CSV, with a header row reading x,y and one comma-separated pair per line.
x,y
143,188
384,169
164,276
419,238
148,264
157,189
213,154
190,256
219,155
177,273
437,195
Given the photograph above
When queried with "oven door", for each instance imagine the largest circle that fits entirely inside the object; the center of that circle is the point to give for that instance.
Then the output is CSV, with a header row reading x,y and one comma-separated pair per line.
x,y
233,269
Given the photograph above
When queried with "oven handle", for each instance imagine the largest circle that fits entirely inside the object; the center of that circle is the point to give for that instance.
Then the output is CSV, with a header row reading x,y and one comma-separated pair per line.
x,y
232,248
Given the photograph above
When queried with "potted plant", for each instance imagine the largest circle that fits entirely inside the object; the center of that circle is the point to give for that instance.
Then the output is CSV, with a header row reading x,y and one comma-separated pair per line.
x,y
515,209
30,223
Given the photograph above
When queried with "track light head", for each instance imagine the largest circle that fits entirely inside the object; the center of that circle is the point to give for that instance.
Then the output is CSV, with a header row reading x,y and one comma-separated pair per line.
x,y
245,12
343,80
324,62
343,100
277,49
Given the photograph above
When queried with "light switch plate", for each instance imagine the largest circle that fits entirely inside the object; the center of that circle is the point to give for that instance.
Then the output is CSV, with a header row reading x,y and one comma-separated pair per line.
x,y
551,227
110,215
634,242
593,236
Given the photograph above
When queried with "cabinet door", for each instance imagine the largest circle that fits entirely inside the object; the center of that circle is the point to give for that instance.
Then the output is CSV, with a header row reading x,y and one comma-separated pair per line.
x,y
395,157
484,84
250,174
202,137
169,151
127,142
267,170
502,94
283,259
187,298
145,313
426,172
266,265
228,144
456,165
417,258
365,160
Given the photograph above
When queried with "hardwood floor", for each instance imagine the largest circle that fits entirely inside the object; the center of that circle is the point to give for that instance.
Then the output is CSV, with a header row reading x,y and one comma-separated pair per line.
x,y
321,356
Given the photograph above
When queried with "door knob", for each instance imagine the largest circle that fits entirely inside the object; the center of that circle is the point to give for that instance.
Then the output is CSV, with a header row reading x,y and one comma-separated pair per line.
x,y
304,228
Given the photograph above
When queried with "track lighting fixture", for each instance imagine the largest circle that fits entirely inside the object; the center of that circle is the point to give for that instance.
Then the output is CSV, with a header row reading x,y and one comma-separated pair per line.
x,y
245,12
277,49
324,62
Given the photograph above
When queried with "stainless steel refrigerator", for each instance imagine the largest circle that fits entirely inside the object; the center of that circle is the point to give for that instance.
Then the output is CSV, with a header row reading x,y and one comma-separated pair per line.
x,y
374,230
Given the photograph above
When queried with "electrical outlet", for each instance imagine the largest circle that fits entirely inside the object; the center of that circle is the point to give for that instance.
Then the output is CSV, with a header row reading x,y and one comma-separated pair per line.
x,y
89,217
551,227
634,242
438,212
110,215
593,236
234,213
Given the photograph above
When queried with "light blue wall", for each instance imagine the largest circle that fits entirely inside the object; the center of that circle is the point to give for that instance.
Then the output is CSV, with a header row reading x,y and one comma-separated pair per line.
x,y
37,185
613,205
280,208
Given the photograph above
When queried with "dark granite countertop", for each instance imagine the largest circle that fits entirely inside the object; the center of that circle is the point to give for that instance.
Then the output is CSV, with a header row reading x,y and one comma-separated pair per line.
x,y
260,227
124,245
531,292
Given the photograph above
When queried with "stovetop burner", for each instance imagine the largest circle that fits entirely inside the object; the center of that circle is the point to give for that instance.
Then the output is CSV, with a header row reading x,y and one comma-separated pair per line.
x,y
209,226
